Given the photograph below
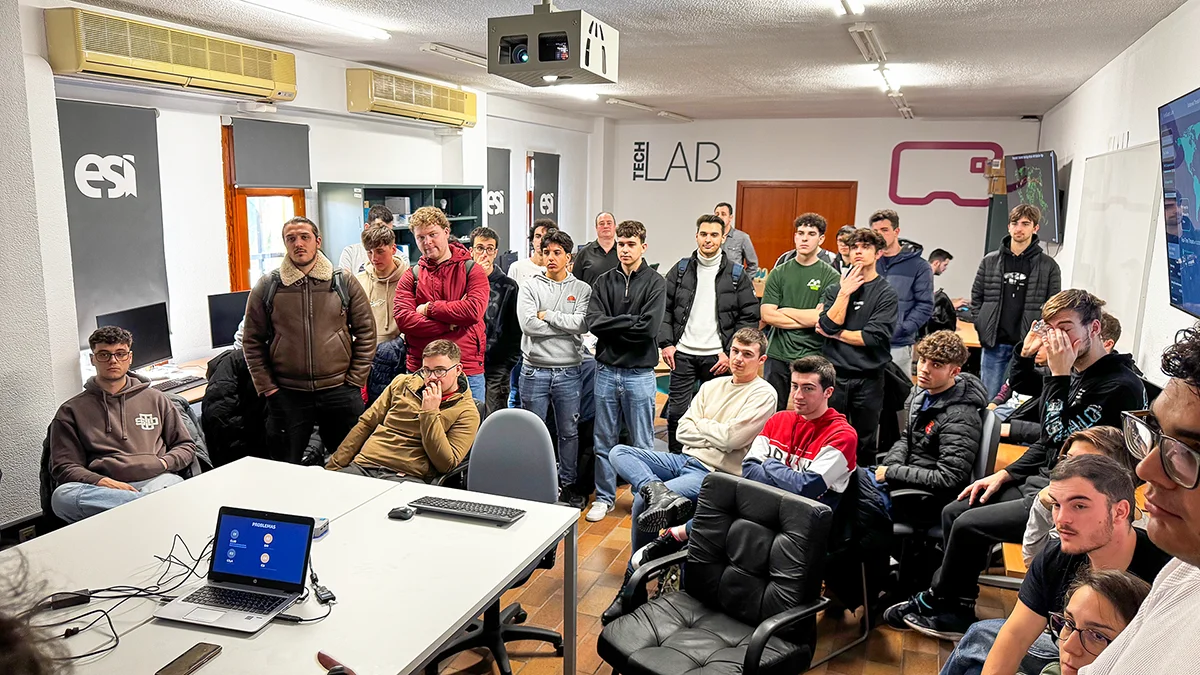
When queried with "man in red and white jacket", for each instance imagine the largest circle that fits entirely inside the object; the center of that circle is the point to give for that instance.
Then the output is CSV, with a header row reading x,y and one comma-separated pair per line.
x,y
811,450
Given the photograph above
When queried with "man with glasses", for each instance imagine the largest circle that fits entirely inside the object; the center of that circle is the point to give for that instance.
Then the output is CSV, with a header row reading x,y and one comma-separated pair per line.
x,y
116,441
1166,438
1086,387
420,427
500,320
1093,505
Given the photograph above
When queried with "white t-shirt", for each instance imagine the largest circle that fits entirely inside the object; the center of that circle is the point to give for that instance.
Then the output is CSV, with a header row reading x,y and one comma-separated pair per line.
x,y
1161,639
523,270
354,258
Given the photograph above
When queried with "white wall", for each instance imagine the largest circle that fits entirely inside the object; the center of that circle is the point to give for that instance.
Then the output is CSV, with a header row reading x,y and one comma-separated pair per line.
x,y
1123,98
859,149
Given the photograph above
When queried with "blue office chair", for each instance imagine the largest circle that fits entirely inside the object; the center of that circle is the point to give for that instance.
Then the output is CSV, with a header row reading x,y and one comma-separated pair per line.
x,y
512,457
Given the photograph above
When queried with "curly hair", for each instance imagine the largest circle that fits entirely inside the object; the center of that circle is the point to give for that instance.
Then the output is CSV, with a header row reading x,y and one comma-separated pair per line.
x,y
428,216
885,214
110,335
23,649
943,346
815,220
1182,359
628,229
868,237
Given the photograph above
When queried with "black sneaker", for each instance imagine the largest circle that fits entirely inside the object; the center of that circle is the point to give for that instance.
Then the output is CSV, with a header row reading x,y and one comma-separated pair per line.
x,y
919,604
947,624
614,610
568,496
663,546
664,508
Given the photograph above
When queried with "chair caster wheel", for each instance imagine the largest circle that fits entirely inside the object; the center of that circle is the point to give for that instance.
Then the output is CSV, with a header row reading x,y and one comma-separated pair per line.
x,y
520,616
558,651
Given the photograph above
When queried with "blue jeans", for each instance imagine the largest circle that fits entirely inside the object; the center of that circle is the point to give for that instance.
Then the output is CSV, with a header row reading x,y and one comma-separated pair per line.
x,y
478,385
621,394
514,384
73,502
681,473
993,368
968,657
541,385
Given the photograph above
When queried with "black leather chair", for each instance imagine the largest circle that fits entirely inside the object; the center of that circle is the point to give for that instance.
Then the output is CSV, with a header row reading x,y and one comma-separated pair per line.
x,y
750,592
457,477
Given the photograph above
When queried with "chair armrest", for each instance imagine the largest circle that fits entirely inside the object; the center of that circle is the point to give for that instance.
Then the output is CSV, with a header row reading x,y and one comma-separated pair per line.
x,y
910,492
633,594
768,628
452,474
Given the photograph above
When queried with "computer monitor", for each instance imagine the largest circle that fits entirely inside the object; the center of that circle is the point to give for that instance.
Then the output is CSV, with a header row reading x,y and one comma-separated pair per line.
x,y
151,332
225,312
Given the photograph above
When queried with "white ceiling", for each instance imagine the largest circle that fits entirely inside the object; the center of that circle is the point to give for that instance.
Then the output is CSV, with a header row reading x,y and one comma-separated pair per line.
x,y
745,58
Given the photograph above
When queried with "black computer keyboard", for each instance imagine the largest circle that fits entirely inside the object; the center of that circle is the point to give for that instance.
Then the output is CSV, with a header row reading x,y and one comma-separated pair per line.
x,y
454,507
242,601
179,383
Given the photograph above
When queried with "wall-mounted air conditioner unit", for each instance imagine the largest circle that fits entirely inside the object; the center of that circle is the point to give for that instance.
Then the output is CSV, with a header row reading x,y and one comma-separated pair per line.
x,y
379,92
81,42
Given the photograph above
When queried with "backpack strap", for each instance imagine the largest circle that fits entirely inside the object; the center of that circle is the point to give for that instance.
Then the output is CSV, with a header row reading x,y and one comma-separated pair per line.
x,y
269,302
683,263
470,266
338,285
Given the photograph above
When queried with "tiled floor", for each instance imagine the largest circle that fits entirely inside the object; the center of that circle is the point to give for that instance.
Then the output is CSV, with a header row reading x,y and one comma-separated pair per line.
x,y
603,552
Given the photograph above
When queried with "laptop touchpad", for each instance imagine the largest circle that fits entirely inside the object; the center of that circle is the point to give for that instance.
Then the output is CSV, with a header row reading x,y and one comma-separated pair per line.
x,y
203,615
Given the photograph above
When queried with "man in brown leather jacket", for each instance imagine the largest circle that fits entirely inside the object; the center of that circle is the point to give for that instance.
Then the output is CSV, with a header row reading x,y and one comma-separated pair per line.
x,y
310,353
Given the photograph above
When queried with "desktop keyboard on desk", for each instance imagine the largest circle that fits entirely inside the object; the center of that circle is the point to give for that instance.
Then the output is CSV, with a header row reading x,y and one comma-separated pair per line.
x,y
178,384
454,507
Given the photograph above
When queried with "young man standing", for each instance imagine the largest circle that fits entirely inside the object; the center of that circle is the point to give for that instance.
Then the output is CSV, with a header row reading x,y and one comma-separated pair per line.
x,y
420,428
444,296
500,320
737,246
527,268
354,257
1010,288
599,256
1093,505
552,310
859,318
625,313
1166,438
1086,387
789,304
380,277
911,277
118,440
709,298
309,343
721,422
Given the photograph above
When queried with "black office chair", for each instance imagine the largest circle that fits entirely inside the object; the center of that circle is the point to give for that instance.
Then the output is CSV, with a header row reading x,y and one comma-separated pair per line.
x,y
751,589
512,457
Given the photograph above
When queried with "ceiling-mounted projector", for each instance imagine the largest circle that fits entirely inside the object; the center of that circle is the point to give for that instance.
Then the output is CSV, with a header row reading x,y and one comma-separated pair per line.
x,y
550,47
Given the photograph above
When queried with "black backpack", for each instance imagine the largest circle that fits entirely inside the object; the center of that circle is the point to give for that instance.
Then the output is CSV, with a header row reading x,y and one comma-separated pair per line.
x,y
337,285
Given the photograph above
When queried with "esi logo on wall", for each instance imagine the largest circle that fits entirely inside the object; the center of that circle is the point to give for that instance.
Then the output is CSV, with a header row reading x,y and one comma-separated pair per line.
x,y
699,165
496,197
545,186
114,208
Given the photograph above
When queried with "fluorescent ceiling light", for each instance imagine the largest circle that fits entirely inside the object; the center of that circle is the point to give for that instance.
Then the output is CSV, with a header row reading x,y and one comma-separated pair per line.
x,y
674,116
838,8
549,78
867,42
856,6
629,104
887,82
452,52
322,15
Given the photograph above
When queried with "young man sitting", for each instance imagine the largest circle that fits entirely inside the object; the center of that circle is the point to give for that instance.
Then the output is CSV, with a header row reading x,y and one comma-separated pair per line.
x,y
718,427
117,440
944,427
1093,511
421,427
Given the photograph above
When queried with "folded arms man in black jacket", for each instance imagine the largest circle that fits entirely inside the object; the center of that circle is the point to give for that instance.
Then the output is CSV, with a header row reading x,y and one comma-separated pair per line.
x,y
1086,387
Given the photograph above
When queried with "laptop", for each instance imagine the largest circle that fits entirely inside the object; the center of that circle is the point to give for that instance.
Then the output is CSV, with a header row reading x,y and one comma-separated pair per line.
x,y
258,569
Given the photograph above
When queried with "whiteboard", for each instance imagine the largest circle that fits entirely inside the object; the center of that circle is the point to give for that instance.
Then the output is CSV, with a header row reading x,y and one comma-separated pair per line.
x,y
1118,216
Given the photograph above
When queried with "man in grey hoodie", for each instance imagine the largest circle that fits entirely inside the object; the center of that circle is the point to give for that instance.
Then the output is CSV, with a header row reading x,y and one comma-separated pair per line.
x,y
552,310
117,440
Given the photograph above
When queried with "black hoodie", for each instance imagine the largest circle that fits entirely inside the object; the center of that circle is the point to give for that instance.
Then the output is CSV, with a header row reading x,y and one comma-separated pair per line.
x,y
938,451
1095,397
1044,280
625,314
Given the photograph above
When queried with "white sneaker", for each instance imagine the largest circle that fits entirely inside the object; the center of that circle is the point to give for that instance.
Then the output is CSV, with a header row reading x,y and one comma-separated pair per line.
x,y
598,511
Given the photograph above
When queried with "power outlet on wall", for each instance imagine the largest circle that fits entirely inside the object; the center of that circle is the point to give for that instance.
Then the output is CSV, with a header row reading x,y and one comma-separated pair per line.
x,y
26,533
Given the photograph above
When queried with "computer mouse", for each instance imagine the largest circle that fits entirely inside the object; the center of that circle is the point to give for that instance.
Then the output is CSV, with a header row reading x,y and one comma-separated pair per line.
x,y
402,513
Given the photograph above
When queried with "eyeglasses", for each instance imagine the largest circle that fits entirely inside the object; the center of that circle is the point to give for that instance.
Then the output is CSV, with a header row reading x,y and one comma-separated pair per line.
x,y
485,249
1180,462
105,357
436,373
1061,627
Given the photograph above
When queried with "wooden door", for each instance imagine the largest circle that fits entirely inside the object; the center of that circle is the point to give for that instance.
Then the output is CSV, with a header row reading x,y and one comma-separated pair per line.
x,y
766,210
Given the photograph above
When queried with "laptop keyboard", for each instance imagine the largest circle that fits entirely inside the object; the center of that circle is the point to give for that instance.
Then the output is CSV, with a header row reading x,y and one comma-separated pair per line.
x,y
242,601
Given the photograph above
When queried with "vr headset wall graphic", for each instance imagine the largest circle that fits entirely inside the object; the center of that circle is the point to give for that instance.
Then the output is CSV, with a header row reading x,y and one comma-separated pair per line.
x,y
698,162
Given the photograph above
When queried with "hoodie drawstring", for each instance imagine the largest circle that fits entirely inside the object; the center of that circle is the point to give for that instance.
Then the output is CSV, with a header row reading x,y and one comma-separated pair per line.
x,y
107,417
124,426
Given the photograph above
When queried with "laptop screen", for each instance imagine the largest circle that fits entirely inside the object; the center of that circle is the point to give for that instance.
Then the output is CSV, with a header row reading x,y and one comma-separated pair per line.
x,y
261,548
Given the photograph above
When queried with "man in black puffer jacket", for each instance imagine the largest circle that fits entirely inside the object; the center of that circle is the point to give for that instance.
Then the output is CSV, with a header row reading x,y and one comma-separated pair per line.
x,y
695,336
233,415
500,320
945,424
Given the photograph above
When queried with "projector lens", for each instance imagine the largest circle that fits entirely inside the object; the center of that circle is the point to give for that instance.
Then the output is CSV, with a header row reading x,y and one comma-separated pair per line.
x,y
520,54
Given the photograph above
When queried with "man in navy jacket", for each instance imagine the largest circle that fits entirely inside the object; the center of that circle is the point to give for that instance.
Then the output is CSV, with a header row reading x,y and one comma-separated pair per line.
x,y
908,274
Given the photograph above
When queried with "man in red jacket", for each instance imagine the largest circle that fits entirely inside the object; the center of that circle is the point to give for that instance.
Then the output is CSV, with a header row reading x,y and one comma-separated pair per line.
x,y
444,296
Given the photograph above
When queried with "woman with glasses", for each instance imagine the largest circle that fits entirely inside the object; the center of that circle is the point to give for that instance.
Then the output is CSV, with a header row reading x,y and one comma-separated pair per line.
x,y
1100,604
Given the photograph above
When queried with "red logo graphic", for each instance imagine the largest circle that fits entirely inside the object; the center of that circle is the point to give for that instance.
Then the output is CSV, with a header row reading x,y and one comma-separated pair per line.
x,y
977,165
570,298
929,427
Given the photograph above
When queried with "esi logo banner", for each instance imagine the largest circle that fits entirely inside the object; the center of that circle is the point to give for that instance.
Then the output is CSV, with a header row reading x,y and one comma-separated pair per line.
x,y
544,167
114,208
496,198
927,171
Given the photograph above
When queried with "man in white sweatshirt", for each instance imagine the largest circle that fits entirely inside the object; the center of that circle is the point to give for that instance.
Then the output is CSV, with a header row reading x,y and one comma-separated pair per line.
x,y
709,297
552,310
